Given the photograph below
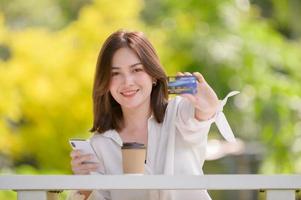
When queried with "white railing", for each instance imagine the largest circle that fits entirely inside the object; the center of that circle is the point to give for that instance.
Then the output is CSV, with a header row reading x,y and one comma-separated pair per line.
x,y
45,187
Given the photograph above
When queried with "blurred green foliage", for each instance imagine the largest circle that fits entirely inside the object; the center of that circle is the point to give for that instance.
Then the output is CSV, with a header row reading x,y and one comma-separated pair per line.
x,y
48,51
46,84
237,48
54,14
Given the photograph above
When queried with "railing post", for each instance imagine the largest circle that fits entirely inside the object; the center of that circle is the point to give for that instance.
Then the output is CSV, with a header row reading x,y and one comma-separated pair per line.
x,y
280,195
53,195
37,194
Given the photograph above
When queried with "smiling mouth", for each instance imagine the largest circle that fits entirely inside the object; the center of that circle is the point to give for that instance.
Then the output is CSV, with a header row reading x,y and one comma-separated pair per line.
x,y
129,93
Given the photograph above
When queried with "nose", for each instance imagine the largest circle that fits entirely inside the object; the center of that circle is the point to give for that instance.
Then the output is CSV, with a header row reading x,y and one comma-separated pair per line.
x,y
128,79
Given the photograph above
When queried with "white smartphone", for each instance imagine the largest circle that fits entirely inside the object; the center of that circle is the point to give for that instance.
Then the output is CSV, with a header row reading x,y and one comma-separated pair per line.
x,y
85,147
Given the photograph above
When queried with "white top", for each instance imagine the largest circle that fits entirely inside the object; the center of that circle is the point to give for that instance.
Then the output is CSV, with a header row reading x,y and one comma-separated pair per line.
x,y
175,147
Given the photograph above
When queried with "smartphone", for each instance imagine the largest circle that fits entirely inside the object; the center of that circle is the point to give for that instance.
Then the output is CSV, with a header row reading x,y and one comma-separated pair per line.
x,y
85,147
182,85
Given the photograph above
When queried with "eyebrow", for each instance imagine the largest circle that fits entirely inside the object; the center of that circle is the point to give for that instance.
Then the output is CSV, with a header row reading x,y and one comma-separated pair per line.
x,y
133,65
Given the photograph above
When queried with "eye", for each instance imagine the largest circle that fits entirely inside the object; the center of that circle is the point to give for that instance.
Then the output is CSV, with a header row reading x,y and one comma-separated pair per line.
x,y
114,73
138,70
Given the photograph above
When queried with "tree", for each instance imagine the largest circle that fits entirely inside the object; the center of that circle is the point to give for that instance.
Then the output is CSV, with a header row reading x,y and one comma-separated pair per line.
x,y
46,84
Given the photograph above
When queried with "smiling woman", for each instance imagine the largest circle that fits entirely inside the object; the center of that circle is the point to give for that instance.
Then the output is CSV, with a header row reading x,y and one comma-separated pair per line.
x,y
131,106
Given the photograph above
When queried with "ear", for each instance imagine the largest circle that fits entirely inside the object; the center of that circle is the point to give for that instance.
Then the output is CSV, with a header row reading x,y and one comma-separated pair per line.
x,y
154,82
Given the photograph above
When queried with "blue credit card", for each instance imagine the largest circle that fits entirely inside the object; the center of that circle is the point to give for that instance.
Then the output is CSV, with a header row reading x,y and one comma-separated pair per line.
x,y
182,85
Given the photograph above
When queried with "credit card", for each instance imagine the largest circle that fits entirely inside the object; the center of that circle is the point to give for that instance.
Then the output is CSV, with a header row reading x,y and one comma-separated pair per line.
x,y
182,85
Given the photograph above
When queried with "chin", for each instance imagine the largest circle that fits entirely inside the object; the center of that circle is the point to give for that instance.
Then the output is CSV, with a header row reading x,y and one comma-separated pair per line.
x,y
130,106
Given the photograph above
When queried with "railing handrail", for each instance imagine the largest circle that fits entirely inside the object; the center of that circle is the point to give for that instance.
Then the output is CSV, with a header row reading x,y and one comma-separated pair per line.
x,y
209,182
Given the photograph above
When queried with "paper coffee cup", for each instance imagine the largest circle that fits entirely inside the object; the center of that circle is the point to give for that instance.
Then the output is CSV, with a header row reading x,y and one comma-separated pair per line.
x,y
133,158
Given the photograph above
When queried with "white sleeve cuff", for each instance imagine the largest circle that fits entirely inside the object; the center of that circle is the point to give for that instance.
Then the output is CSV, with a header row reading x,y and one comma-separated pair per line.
x,y
221,121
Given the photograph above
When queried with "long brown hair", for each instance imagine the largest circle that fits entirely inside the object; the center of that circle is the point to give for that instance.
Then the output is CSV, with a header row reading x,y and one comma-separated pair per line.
x,y
107,112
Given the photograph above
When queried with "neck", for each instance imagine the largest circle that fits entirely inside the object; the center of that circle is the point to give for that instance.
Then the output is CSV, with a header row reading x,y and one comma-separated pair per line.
x,y
136,118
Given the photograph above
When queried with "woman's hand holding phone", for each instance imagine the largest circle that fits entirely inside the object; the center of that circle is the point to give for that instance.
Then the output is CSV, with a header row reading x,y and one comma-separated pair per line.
x,y
81,163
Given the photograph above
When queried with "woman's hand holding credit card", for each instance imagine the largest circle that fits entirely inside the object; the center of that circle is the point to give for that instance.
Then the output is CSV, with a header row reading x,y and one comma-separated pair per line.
x,y
194,87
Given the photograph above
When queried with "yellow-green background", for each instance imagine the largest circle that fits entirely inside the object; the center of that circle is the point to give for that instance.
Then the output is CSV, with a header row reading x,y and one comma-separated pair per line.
x,y
48,51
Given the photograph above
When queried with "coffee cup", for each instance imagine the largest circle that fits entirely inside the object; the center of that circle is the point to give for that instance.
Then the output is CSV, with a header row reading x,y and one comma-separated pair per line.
x,y
133,158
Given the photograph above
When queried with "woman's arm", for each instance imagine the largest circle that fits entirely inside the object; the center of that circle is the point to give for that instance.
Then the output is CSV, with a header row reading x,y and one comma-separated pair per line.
x,y
197,112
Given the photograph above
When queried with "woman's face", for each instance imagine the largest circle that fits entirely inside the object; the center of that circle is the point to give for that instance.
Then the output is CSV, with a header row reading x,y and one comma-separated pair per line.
x,y
130,85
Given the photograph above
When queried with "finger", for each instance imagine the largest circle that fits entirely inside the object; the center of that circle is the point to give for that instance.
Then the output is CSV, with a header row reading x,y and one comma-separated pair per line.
x,y
92,167
75,153
199,77
86,158
75,163
89,166
85,168
187,74
180,74
80,171
81,159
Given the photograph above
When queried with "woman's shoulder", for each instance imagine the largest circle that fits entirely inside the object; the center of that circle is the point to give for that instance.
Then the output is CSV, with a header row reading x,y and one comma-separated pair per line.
x,y
105,137
96,136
